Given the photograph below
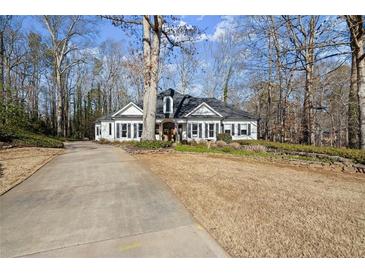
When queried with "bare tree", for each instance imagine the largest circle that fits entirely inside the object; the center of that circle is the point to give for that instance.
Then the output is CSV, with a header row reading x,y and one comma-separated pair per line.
x,y
156,31
357,33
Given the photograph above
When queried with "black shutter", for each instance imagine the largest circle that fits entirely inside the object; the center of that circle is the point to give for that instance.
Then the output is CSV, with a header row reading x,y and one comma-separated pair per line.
x,y
232,129
134,131
206,130
118,130
200,130
110,128
129,130
239,130
140,130
248,129
189,130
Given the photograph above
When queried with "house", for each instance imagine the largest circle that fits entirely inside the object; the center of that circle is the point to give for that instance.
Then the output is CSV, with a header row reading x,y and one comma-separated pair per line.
x,y
179,117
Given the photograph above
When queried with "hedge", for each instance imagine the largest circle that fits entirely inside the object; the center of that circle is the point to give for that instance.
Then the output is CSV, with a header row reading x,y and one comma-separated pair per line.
x,y
357,155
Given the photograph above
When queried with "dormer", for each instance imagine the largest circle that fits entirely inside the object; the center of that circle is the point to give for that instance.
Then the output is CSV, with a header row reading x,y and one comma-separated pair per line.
x,y
168,105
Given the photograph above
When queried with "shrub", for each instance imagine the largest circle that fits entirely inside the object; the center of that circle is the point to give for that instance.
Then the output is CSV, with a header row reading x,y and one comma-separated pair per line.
x,y
153,144
235,145
226,137
203,142
357,155
184,142
20,137
116,142
221,143
104,141
194,143
212,145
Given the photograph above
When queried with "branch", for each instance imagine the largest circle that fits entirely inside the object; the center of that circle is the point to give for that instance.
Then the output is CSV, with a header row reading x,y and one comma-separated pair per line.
x,y
122,20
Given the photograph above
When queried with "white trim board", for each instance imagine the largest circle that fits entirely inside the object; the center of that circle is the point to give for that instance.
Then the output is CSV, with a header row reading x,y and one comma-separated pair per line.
x,y
126,107
204,105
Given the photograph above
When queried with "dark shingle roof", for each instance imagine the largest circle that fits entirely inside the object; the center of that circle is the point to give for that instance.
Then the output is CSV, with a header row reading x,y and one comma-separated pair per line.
x,y
183,104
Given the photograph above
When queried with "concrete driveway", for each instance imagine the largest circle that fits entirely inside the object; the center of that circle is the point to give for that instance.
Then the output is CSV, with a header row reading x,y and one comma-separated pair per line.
x,y
98,201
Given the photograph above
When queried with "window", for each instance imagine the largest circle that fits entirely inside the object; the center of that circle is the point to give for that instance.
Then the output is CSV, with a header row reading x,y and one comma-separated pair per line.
x,y
168,104
140,130
194,130
118,130
243,129
124,130
211,130
110,128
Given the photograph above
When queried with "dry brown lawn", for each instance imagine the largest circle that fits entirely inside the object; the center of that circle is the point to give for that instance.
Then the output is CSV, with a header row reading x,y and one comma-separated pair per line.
x,y
262,209
16,164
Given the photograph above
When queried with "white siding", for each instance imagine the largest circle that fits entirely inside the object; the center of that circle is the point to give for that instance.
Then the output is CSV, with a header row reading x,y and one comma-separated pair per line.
x,y
236,136
104,126
105,130
204,125
130,135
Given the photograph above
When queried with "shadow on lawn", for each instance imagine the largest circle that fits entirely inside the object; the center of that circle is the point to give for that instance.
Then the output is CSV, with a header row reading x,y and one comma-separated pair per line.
x,y
1,170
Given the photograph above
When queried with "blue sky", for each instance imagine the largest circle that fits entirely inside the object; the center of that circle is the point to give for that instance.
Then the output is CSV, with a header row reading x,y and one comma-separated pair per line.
x,y
106,31
211,26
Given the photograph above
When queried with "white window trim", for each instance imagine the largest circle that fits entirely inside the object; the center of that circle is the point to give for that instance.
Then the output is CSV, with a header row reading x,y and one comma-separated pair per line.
x,y
245,125
208,124
197,130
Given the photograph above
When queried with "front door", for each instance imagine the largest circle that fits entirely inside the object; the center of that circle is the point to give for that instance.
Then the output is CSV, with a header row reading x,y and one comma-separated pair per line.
x,y
168,131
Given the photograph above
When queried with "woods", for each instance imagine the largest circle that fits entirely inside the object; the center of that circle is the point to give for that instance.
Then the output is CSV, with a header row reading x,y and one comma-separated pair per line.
x,y
302,76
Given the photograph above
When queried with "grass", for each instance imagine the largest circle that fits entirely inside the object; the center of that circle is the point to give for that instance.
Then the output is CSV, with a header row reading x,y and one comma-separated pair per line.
x,y
221,150
22,138
356,155
232,151
17,164
259,209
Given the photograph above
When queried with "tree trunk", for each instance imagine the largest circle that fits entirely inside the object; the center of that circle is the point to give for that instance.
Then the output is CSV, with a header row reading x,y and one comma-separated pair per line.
x,y
151,55
59,99
353,108
2,65
357,33
361,87
308,121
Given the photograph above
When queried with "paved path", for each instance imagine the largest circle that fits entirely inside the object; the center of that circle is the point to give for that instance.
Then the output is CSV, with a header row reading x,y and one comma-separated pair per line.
x,y
98,201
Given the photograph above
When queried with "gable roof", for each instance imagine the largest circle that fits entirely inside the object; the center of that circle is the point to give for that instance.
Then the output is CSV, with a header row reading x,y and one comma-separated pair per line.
x,y
129,106
201,107
184,105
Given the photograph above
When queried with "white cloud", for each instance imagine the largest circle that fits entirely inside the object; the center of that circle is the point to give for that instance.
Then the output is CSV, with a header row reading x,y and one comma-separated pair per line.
x,y
200,18
224,26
